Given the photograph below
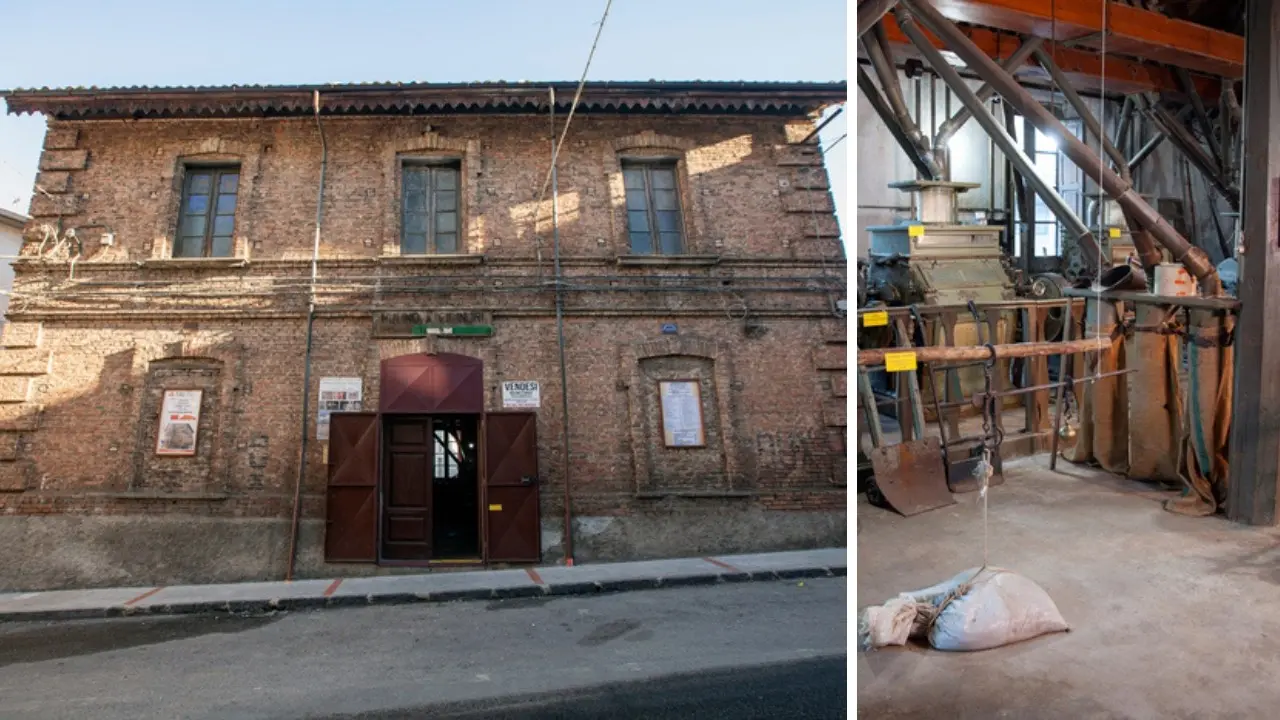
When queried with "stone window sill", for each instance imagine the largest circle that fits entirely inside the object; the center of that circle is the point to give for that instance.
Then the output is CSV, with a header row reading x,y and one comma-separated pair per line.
x,y
668,260
431,259
229,262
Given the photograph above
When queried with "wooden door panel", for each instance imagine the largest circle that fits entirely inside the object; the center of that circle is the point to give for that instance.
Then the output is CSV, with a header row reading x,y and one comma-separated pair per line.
x,y
511,460
351,512
406,527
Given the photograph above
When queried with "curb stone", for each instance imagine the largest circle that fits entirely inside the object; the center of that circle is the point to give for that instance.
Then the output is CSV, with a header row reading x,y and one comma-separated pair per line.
x,y
555,589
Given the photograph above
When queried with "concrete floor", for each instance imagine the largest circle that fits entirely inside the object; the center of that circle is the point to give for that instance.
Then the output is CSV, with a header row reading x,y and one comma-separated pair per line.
x,y
1172,617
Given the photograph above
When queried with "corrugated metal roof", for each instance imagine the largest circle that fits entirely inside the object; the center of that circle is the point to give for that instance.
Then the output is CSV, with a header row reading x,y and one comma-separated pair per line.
x,y
13,219
682,97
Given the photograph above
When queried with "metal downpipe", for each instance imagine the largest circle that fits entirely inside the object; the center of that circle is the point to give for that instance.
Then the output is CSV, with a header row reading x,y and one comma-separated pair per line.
x,y
870,12
984,93
1193,258
877,47
872,93
1025,167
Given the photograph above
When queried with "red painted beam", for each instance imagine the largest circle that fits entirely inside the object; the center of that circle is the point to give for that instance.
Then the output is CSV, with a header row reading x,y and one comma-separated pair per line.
x,y
1083,67
1131,31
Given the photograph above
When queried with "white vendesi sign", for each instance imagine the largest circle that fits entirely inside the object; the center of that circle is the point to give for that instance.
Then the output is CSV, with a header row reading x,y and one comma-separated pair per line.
x,y
521,394
179,422
337,394
681,413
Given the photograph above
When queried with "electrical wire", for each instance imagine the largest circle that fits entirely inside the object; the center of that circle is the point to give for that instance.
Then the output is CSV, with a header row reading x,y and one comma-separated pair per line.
x,y
577,96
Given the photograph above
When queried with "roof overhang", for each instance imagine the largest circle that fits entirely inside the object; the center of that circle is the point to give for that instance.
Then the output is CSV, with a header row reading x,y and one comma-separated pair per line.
x,y
678,98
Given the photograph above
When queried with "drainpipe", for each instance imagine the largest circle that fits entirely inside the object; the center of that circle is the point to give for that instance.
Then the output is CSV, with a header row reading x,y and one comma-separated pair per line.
x,y
564,374
1191,257
877,47
306,373
997,133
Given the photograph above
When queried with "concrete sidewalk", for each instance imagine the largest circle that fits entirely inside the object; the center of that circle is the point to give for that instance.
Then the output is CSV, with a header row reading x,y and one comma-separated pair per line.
x,y
430,587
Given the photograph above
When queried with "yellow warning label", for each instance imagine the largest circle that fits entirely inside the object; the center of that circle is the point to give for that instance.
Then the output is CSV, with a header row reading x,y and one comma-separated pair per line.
x,y
495,508
1115,232
915,230
879,318
899,361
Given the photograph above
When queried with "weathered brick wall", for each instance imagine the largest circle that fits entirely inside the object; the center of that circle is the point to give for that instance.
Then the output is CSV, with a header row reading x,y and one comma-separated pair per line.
x,y
755,325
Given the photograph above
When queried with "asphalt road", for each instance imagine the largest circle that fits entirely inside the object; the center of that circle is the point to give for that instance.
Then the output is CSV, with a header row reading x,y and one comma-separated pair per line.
x,y
766,650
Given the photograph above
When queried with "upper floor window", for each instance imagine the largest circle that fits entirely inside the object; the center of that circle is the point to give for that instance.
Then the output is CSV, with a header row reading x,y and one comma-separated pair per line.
x,y
208,218
653,208
429,209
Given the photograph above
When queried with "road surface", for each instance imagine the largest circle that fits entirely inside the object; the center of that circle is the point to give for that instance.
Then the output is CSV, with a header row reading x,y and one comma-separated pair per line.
x,y
753,650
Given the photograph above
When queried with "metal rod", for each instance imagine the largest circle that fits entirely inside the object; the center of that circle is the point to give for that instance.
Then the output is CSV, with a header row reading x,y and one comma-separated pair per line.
x,y
1190,147
1145,151
1123,133
1091,123
870,12
877,47
1227,304
824,123
1068,329
1011,350
1193,258
978,398
1008,145
1202,114
953,124
882,109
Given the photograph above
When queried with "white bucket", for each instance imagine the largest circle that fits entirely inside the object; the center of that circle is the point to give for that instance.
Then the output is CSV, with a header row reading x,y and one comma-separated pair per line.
x,y
1173,280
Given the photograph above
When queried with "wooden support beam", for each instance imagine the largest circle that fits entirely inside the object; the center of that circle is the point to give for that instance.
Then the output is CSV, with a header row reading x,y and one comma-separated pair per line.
x,y
1082,67
979,352
1127,31
1255,417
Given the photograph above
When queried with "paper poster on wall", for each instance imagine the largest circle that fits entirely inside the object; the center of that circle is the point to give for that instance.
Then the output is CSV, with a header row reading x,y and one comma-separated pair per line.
x,y
521,394
681,402
337,394
179,422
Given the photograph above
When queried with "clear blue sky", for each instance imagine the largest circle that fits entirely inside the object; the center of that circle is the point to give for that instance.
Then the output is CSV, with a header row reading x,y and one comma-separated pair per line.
x,y
79,42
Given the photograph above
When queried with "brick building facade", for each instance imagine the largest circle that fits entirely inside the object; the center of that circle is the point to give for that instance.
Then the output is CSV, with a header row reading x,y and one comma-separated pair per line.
x,y
172,247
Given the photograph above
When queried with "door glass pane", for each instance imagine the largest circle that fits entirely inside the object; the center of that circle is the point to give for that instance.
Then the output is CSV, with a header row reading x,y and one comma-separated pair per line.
x,y
664,199
415,223
633,179
413,180
1047,167
193,225
414,244
636,200
226,205
189,247
668,222
446,178
447,222
641,243
229,183
446,201
200,183
446,243
224,225
221,246
670,243
663,178
198,204
638,222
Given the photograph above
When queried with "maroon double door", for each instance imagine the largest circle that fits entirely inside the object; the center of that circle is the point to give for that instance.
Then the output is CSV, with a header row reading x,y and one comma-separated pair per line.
x,y
445,484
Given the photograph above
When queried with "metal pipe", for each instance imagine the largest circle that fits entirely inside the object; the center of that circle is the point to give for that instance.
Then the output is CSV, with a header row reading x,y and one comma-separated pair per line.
x,y
1193,258
877,47
1202,114
870,12
564,373
1091,123
306,362
1190,147
953,124
881,107
1126,123
815,131
1145,151
936,353
1026,167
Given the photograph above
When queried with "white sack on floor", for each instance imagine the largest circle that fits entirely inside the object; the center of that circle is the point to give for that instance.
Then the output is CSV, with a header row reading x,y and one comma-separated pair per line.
x,y
971,611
